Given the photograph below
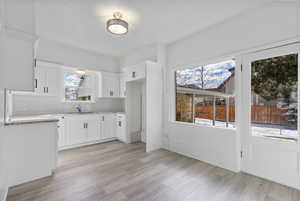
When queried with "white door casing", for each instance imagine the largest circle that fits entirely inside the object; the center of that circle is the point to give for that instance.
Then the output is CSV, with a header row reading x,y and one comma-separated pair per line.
x,y
270,158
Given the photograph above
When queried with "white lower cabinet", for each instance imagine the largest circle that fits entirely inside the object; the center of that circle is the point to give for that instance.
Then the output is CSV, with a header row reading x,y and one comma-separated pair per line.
x,y
108,129
78,130
93,129
121,127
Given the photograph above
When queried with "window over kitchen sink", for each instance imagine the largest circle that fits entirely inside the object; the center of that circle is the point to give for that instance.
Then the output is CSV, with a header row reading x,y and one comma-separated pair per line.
x,y
78,86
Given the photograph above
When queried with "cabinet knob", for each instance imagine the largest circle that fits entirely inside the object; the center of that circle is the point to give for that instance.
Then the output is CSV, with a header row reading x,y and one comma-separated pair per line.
x,y
133,74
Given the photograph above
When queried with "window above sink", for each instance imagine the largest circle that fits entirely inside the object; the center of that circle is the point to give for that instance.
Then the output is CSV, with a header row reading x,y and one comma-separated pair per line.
x,y
79,86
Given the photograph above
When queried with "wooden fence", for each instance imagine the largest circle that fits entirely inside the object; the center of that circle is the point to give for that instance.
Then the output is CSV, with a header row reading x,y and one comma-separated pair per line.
x,y
259,114
206,112
267,114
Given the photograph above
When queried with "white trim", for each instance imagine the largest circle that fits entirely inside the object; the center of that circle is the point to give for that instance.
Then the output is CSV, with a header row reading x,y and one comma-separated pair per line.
x,y
251,162
200,125
18,33
86,144
184,90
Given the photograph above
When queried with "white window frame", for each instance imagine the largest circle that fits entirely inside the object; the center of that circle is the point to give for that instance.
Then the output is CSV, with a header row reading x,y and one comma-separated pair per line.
x,y
172,83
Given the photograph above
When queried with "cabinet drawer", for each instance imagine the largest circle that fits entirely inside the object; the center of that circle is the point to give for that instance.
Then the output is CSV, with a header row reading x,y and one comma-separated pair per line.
x,y
135,73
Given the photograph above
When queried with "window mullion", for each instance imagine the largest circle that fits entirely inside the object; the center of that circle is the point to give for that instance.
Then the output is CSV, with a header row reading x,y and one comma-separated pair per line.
x,y
193,109
214,111
227,111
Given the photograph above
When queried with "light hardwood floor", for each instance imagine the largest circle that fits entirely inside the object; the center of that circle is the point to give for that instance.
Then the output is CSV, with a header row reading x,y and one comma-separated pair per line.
x,y
119,172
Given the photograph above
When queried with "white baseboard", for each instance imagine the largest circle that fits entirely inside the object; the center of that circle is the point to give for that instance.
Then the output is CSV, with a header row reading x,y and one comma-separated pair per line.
x,y
3,194
85,144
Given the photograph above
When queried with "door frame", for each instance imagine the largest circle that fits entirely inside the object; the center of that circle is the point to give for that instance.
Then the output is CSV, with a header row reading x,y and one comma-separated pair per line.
x,y
247,139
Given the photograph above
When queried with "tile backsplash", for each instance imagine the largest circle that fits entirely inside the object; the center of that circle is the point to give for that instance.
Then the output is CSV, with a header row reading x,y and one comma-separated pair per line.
x,y
33,104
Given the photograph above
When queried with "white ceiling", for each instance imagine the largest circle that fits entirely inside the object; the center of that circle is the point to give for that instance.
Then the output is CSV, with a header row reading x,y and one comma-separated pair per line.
x,y
82,23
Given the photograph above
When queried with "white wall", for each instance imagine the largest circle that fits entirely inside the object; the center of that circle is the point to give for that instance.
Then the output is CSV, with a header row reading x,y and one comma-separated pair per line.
x,y
19,14
16,58
139,55
256,28
70,56
251,30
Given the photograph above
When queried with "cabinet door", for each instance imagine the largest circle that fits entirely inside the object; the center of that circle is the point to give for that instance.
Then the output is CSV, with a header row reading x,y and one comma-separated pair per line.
x,y
47,79
61,134
135,72
52,81
121,128
77,131
39,79
101,129
109,85
122,86
93,127
106,86
116,86
109,126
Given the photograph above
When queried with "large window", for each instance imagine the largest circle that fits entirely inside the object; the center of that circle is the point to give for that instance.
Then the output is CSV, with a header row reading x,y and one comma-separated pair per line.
x,y
274,104
78,87
205,94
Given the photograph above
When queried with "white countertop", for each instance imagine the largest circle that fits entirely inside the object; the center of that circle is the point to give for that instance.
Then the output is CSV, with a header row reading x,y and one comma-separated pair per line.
x,y
44,118
27,119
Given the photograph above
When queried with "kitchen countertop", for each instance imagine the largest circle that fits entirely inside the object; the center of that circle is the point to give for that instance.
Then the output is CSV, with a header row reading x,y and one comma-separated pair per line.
x,y
30,119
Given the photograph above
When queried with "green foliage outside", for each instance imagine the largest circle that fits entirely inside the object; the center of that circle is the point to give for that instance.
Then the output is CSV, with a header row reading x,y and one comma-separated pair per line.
x,y
275,77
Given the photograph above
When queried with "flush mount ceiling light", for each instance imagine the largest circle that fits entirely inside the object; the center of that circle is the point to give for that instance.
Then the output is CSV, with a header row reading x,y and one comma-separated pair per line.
x,y
80,71
117,25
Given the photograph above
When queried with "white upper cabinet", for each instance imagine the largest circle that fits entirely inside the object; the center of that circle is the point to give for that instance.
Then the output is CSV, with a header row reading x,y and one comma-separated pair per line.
x,y
47,78
108,85
136,72
122,85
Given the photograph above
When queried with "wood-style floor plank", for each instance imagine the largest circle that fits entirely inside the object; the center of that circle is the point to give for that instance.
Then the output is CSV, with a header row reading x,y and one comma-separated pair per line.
x,y
116,171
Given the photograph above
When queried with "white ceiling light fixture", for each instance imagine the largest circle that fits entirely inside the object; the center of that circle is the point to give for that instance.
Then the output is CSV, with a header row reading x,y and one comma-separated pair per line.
x,y
117,25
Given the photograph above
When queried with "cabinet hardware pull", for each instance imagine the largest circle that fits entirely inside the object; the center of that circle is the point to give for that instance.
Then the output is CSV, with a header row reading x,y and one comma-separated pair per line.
x,y
87,125
35,83
44,89
102,118
133,75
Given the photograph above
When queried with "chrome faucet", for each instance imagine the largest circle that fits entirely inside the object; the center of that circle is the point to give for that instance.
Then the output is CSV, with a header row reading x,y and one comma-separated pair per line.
x,y
79,109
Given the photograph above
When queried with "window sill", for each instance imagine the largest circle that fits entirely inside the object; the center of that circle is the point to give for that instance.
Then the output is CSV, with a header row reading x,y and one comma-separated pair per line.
x,y
200,125
64,101
278,138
